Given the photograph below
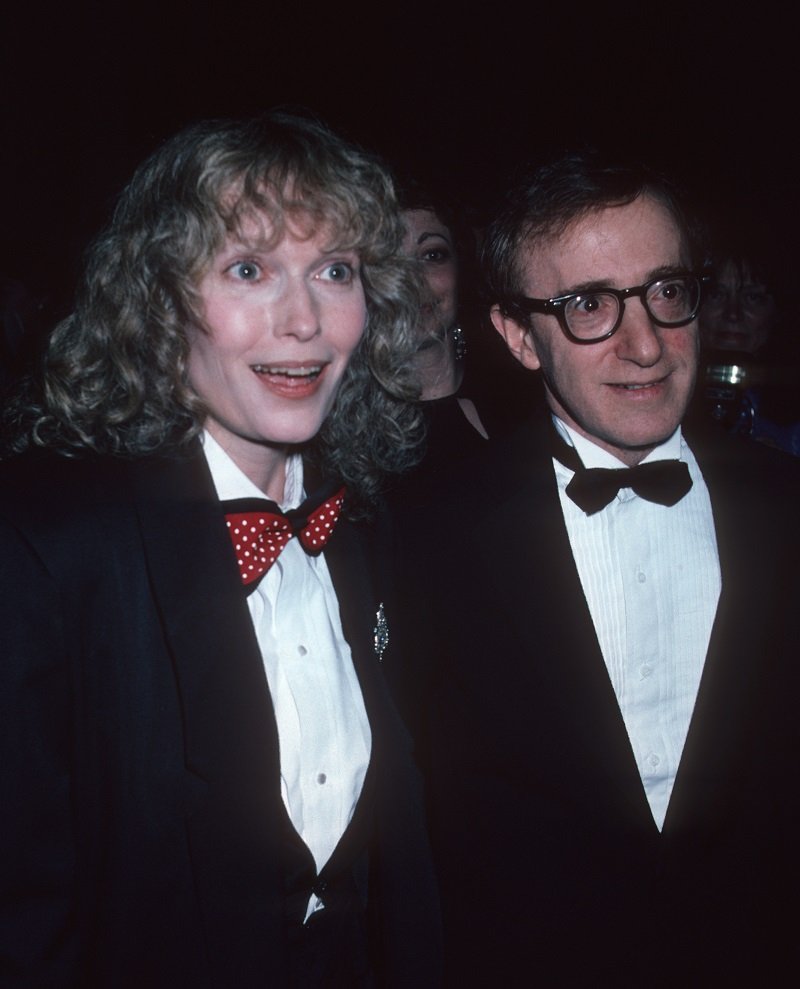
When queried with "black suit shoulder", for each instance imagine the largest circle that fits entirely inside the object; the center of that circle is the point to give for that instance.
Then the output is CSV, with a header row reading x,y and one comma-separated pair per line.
x,y
728,456
81,514
755,494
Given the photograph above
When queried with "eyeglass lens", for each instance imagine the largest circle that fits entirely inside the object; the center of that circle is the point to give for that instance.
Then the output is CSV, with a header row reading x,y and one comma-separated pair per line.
x,y
668,302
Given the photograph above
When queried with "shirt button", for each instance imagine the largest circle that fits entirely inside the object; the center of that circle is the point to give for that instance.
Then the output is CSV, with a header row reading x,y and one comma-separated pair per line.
x,y
641,577
321,778
302,651
653,760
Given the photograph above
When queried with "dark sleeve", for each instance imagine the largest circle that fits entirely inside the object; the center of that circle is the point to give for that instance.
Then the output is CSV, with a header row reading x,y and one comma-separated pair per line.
x,y
410,656
37,865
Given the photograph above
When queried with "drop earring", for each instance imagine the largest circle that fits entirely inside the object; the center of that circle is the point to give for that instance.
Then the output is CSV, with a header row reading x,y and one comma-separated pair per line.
x,y
459,342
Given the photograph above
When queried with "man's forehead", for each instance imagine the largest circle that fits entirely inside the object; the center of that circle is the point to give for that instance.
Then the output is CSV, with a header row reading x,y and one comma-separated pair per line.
x,y
605,243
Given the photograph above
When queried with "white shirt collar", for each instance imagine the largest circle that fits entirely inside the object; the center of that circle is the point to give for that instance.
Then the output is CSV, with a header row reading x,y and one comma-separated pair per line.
x,y
594,456
230,481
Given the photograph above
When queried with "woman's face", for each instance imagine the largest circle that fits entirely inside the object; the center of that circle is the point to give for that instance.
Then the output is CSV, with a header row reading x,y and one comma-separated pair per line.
x,y
738,311
281,323
428,241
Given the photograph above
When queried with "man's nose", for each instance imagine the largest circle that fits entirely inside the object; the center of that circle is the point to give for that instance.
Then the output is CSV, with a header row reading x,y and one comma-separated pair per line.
x,y
638,338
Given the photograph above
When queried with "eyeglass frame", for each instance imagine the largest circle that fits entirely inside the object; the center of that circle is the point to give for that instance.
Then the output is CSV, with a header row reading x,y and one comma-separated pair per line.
x,y
555,306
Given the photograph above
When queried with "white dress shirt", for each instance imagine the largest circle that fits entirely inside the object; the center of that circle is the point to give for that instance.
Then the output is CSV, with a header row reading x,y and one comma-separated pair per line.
x,y
651,578
323,730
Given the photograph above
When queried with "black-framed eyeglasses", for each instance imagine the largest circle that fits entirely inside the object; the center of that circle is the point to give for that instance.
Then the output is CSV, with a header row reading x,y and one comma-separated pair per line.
x,y
595,315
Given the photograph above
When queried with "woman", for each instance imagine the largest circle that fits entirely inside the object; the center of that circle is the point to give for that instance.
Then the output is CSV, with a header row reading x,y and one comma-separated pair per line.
x,y
442,346
750,357
203,780
443,248
739,311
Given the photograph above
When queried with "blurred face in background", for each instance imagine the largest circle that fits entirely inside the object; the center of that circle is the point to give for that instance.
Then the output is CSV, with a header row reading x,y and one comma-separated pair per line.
x,y
429,241
738,311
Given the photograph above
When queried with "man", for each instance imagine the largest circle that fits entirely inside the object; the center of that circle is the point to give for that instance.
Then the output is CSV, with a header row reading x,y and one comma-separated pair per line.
x,y
605,693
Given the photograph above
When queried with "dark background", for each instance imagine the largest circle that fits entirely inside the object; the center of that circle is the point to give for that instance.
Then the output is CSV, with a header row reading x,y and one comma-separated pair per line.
x,y
88,91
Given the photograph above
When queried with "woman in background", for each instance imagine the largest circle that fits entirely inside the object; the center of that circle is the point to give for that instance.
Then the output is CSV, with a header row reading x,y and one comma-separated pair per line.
x,y
750,355
442,346
442,246
470,388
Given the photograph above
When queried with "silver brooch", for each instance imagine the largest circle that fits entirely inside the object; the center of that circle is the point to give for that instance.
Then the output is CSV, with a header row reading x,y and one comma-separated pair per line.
x,y
380,632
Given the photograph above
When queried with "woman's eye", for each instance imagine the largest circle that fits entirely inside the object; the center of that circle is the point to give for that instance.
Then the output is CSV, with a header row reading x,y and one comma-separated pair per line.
x,y
340,271
436,255
246,271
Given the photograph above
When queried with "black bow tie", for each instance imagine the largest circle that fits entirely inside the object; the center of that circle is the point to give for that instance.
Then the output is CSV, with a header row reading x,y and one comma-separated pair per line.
x,y
259,530
592,488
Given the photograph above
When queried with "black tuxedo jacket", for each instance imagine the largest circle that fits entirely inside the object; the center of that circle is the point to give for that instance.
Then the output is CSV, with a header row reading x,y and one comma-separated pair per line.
x,y
550,863
145,842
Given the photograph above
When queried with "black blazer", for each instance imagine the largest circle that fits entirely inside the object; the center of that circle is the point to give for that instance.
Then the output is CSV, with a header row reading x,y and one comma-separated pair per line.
x,y
144,836
550,863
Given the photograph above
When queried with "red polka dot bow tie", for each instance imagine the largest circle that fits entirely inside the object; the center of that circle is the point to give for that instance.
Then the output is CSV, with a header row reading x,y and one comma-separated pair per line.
x,y
259,530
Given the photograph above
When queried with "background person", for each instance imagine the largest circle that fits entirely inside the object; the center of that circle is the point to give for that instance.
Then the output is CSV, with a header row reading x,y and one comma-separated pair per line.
x,y
458,360
433,242
444,247
750,358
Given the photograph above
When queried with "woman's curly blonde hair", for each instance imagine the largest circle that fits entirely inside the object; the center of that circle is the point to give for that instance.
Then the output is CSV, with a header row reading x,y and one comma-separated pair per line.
x,y
114,374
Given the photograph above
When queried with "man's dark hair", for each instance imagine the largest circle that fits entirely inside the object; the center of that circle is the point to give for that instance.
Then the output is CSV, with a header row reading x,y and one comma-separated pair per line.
x,y
544,201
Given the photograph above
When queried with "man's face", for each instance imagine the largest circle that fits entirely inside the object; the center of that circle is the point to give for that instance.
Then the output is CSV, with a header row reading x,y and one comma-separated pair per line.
x,y
628,393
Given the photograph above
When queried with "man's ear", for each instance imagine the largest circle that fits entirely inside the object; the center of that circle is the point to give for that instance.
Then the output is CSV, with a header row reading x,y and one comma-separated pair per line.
x,y
519,339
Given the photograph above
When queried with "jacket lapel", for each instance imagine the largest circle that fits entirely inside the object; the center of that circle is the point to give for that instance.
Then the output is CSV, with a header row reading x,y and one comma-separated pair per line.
x,y
524,550
236,826
725,724
228,721
389,818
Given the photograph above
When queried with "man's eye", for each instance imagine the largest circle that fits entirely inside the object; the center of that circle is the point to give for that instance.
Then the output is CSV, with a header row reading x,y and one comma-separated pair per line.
x,y
671,291
247,271
588,304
